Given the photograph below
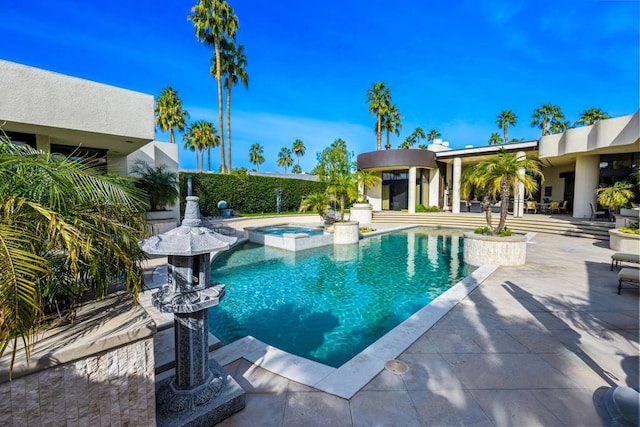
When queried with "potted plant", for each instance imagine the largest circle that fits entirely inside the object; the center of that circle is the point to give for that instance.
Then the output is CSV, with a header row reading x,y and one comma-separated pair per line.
x,y
625,237
157,183
499,175
361,210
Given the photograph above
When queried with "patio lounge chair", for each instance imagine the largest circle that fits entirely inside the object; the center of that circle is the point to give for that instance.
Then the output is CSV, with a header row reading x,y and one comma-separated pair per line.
x,y
619,257
631,275
595,213
563,207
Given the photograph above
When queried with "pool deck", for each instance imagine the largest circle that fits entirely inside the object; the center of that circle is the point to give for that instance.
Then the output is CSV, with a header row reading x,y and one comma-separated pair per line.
x,y
531,345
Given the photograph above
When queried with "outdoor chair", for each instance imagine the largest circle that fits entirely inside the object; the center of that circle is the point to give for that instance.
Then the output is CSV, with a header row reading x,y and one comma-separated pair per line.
x,y
563,207
630,275
554,206
595,214
531,206
496,207
475,206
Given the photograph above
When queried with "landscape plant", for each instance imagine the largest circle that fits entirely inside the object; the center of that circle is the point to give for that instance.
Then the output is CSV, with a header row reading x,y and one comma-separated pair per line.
x,y
500,176
616,196
65,230
157,183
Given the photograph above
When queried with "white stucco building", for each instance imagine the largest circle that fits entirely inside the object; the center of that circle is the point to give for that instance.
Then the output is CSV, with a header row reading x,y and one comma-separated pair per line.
x,y
68,115
575,164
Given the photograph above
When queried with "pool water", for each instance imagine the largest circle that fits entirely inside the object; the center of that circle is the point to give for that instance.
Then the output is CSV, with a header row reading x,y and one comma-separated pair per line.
x,y
279,230
328,304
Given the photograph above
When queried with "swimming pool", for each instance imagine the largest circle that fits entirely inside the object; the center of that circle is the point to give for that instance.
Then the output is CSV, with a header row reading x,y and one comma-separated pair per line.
x,y
328,304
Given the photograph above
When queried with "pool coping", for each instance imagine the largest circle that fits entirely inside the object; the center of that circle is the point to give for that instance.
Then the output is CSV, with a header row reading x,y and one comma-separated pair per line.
x,y
352,376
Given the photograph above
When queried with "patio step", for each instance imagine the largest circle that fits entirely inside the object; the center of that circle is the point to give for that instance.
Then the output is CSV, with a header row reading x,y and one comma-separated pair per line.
x,y
556,224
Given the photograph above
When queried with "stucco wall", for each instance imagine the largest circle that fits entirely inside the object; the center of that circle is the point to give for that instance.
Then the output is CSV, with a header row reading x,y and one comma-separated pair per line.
x,y
38,97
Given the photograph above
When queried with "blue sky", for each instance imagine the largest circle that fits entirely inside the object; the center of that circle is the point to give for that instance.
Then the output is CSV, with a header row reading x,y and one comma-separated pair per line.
x,y
451,66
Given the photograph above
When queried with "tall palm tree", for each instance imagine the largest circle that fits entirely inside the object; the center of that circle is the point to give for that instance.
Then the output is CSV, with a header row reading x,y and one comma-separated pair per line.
x,y
234,71
544,115
495,139
215,20
284,158
65,230
417,134
500,175
408,142
201,135
558,126
505,119
256,155
591,116
169,113
365,179
433,135
391,122
379,100
298,149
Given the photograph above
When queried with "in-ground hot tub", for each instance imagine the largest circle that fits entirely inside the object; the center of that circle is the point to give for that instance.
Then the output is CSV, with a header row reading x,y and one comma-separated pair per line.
x,y
290,237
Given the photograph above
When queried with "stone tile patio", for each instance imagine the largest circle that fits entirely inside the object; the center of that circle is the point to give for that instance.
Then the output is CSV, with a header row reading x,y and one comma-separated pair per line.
x,y
530,346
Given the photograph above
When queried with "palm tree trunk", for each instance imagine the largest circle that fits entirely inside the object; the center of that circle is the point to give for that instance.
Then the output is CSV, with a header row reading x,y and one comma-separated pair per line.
x,y
216,43
379,133
506,134
504,206
171,138
229,125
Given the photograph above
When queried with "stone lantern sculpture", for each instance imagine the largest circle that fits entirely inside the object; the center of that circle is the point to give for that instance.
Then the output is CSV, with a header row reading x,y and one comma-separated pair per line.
x,y
200,392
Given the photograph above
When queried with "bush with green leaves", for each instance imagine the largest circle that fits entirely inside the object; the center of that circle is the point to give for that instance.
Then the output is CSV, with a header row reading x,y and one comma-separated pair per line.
x,y
66,231
157,183
247,193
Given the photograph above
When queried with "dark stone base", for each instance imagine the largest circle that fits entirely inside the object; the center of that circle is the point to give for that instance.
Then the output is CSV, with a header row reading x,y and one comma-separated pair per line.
x,y
226,398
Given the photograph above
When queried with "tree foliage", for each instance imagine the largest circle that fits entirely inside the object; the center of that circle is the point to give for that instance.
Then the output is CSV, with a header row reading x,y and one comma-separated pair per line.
x,y
169,115
379,100
65,230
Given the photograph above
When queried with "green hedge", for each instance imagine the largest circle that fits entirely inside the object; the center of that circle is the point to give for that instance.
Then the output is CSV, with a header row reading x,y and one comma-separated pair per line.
x,y
247,193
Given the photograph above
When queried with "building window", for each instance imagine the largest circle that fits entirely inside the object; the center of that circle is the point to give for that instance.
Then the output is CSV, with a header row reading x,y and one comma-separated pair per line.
x,y
19,138
95,157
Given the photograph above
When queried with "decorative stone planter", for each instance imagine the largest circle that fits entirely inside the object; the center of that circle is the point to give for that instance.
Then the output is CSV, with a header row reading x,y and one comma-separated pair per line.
x,y
161,221
495,250
624,242
627,217
361,212
346,232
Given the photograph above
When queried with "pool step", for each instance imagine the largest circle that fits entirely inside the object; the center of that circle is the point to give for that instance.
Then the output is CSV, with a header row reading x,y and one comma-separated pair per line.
x,y
561,224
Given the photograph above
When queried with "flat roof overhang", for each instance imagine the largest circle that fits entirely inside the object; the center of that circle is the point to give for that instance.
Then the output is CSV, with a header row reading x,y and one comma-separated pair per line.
x,y
398,158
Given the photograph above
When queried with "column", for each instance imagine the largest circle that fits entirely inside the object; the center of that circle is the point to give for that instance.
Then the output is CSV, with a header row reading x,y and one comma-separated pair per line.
x,y
434,187
412,190
518,197
455,197
586,183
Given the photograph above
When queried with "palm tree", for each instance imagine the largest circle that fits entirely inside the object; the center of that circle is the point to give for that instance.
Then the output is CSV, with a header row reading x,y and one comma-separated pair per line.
x,y
298,149
284,158
201,136
157,182
214,20
616,196
316,201
379,100
343,187
505,119
417,134
256,155
423,146
391,122
365,179
501,175
591,116
433,135
65,230
558,126
495,139
544,115
234,71
408,142
169,113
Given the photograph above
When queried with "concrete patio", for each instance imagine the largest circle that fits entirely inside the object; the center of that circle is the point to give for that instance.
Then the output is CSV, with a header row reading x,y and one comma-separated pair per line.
x,y
532,345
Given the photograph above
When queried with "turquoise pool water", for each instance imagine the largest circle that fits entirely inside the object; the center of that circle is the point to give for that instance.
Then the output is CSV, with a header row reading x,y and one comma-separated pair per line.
x,y
330,303
279,230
